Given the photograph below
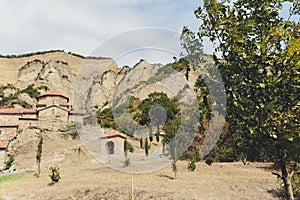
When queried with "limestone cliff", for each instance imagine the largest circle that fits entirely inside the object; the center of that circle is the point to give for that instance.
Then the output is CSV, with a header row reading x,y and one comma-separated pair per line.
x,y
89,82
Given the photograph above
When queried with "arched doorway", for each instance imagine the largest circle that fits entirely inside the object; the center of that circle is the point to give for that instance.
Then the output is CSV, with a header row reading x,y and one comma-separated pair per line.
x,y
110,147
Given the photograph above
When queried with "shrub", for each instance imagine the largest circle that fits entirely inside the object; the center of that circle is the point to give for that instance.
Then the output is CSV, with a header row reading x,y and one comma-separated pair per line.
x,y
192,164
54,174
226,154
32,92
209,161
11,159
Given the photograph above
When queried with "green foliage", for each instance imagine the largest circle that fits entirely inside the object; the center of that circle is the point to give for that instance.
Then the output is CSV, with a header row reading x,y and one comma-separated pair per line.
x,y
54,174
192,164
157,137
126,162
161,99
31,54
226,154
11,159
146,147
209,161
39,155
260,69
141,143
39,150
43,87
13,177
31,91
107,124
296,182
150,134
130,147
127,146
107,112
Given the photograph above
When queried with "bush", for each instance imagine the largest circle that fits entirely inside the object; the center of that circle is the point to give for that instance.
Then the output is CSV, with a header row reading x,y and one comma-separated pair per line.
x,y
209,161
130,147
11,159
226,154
54,174
32,92
192,164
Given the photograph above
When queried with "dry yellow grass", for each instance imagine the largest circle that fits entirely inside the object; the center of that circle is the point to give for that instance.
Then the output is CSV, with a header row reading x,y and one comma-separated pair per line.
x,y
90,180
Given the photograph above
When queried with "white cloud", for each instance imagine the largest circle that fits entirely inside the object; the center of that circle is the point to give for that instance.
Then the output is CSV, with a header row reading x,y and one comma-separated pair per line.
x,y
81,26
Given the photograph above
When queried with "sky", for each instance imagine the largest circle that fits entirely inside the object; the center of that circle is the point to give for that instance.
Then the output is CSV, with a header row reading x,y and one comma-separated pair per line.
x,y
97,27
125,30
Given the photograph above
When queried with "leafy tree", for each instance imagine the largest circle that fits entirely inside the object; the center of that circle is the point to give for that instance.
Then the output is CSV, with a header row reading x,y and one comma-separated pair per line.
x,y
260,68
171,138
39,155
141,143
126,148
155,107
150,134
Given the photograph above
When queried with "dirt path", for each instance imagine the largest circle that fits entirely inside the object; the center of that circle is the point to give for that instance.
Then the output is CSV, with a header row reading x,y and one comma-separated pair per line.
x,y
90,180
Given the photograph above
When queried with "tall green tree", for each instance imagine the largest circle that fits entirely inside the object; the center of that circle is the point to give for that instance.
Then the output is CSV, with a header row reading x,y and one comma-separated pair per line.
x,y
157,109
172,139
257,53
146,147
39,155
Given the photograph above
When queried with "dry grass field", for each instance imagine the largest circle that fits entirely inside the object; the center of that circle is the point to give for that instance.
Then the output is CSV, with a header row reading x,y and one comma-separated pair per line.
x,y
82,177
91,180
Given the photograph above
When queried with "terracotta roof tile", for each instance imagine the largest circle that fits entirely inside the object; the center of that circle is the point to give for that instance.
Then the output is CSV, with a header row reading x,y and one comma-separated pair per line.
x,y
112,133
17,111
53,92
3,145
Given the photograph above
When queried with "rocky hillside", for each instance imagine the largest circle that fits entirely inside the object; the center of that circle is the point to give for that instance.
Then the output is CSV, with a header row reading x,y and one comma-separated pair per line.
x,y
89,82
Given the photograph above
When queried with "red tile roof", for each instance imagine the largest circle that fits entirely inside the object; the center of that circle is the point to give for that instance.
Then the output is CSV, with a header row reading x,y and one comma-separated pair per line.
x,y
53,92
17,111
111,134
3,145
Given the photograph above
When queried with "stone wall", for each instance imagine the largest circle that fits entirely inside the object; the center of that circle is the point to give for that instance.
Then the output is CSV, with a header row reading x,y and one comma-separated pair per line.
x,y
9,119
50,100
54,113
8,133
2,157
54,125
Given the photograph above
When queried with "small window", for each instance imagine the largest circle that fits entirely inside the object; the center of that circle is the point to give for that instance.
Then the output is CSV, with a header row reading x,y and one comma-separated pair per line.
x,y
53,112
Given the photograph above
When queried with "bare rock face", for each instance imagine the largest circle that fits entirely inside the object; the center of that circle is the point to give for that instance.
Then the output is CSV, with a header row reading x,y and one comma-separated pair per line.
x,y
90,83
9,92
29,73
26,98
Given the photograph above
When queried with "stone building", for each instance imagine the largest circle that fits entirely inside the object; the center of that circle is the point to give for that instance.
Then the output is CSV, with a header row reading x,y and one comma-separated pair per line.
x,y
3,147
53,111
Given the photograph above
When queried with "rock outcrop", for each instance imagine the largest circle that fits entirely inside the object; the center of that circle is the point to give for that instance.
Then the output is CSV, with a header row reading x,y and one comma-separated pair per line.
x,y
89,82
